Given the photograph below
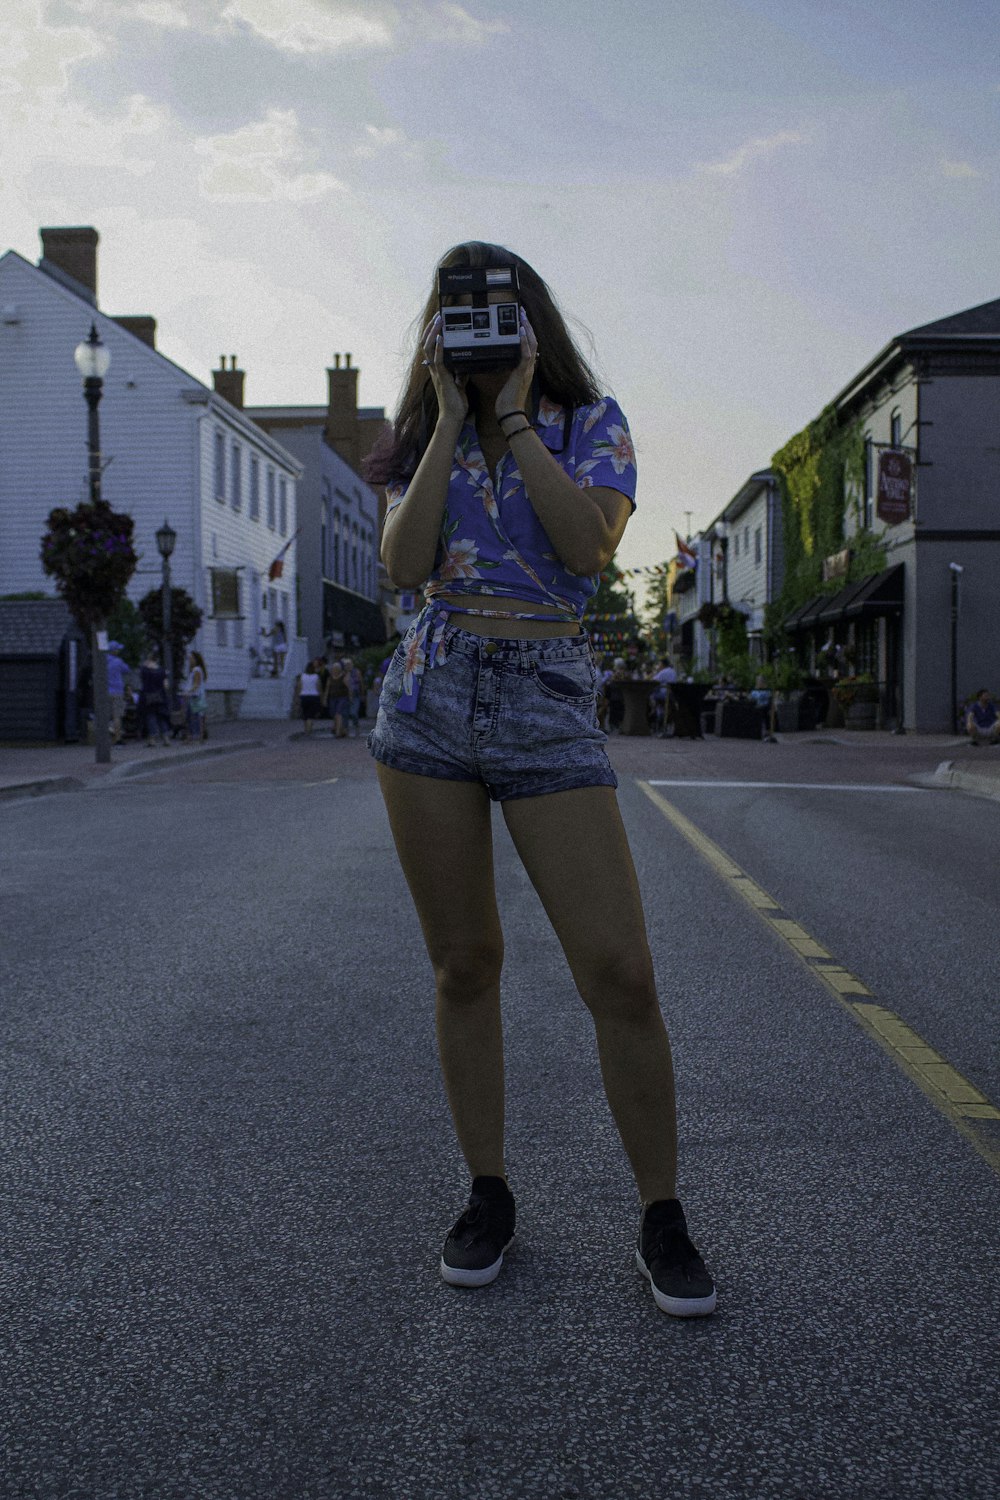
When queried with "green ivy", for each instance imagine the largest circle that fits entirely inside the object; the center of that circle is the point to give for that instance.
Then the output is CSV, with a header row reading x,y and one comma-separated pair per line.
x,y
821,471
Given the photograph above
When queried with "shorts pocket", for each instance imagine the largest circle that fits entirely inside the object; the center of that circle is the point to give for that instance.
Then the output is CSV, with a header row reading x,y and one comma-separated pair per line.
x,y
566,681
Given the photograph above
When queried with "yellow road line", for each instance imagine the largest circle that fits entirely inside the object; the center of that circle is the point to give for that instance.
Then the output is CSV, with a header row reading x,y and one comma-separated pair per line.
x,y
958,1099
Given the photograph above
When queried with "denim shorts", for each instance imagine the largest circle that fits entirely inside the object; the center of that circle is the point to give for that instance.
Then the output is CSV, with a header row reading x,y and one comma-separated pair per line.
x,y
519,717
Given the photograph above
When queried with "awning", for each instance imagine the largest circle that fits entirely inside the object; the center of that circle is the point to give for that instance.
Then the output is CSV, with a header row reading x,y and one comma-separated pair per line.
x,y
796,620
350,614
881,594
833,611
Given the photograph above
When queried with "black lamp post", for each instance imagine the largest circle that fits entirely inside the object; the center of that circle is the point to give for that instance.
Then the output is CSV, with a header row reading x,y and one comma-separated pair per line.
x,y
165,540
92,360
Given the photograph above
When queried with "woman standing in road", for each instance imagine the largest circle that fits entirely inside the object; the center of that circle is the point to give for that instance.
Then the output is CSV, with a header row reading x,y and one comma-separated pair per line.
x,y
508,492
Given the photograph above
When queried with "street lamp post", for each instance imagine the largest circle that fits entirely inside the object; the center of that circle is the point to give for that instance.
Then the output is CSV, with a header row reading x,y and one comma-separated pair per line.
x,y
92,360
956,570
165,539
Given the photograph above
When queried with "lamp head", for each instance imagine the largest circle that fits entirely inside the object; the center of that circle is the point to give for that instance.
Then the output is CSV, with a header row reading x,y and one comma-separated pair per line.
x,y
92,358
166,536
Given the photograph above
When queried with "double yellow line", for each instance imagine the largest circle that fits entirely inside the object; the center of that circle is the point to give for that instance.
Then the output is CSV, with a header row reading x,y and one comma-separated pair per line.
x,y
959,1100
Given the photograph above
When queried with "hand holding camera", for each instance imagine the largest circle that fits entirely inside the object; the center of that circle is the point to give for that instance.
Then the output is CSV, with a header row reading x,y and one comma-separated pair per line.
x,y
448,387
515,392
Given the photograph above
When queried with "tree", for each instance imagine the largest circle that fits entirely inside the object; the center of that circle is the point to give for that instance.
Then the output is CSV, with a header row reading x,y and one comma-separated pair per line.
x,y
185,622
657,607
613,599
125,624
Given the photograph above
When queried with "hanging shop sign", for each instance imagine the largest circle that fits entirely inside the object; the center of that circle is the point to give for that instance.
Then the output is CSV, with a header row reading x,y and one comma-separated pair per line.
x,y
895,479
837,565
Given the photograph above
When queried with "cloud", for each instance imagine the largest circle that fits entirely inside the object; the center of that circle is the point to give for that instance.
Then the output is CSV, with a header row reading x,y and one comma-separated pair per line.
x,y
447,22
378,139
35,59
751,151
309,26
161,13
958,169
261,163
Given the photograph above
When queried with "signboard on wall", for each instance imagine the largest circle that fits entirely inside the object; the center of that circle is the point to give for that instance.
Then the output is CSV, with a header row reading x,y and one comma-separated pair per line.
x,y
895,479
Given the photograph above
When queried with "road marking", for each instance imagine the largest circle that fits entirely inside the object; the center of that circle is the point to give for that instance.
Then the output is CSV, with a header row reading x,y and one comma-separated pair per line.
x,y
795,786
956,1098
329,781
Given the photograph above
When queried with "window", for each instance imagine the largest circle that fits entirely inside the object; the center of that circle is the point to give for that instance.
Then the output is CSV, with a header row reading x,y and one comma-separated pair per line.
x,y
336,546
354,554
236,463
222,633
746,539
225,593
220,464
896,429
324,538
254,487
283,505
270,497
758,545
736,544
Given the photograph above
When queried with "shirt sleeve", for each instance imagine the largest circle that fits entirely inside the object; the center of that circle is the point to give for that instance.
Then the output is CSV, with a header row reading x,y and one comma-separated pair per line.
x,y
605,456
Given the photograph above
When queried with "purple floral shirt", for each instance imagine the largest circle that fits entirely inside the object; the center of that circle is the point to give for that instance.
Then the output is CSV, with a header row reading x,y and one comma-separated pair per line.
x,y
492,542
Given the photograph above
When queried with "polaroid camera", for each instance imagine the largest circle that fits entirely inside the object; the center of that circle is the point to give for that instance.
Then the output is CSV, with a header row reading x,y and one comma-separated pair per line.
x,y
485,335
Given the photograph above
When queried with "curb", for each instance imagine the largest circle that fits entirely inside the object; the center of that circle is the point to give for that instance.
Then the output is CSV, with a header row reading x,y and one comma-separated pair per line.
x,y
130,768
40,788
178,758
976,785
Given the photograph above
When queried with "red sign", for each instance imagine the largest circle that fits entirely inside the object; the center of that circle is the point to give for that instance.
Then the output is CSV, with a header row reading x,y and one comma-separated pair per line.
x,y
895,476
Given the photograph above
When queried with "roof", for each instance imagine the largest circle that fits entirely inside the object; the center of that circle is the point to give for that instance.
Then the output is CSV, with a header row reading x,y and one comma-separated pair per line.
x,y
982,319
748,492
34,627
977,327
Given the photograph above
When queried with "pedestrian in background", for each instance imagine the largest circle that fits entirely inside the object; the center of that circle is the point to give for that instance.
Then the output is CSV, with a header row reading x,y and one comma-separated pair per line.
x,y
195,693
118,672
279,647
337,698
310,694
153,701
355,688
501,707
982,723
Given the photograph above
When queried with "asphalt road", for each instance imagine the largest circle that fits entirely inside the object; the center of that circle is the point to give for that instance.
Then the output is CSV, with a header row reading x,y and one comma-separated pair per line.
x,y
228,1167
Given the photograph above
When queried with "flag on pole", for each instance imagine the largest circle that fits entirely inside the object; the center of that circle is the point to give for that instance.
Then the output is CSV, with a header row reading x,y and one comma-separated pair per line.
x,y
685,555
277,567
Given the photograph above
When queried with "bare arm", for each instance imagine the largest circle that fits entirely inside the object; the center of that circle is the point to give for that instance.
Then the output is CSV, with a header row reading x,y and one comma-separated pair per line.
x,y
411,533
583,525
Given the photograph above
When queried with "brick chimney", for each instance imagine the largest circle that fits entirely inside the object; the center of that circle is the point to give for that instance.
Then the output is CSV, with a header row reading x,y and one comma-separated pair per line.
x,y
228,381
73,253
341,430
142,326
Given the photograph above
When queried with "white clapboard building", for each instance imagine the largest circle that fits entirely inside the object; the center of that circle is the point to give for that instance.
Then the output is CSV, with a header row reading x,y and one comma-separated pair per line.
x,y
172,449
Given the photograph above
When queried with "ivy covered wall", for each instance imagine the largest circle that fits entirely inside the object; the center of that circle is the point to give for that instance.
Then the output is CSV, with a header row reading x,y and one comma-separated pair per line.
x,y
821,472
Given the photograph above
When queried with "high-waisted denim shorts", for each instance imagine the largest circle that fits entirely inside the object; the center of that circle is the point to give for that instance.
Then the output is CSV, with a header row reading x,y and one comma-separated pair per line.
x,y
519,717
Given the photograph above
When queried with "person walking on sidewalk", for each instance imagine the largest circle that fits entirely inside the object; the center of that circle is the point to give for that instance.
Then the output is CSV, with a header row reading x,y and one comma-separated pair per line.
x,y
338,698
118,671
153,701
309,695
195,696
508,492
355,688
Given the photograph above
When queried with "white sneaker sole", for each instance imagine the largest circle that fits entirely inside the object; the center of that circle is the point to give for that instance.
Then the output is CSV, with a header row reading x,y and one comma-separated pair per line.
x,y
458,1276
677,1307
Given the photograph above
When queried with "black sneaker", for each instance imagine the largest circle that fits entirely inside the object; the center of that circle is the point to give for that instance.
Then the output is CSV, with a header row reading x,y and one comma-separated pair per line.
x,y
474,1250
671,1264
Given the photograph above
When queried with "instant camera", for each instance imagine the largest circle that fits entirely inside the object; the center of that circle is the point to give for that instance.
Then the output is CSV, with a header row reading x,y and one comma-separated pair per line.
x,y
485,335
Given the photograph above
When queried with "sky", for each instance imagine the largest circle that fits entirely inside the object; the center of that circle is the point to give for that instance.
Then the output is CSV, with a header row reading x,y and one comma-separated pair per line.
x,y
737,203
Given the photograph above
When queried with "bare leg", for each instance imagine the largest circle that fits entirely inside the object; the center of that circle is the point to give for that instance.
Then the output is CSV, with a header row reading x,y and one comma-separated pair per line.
x,y
444,840
598,918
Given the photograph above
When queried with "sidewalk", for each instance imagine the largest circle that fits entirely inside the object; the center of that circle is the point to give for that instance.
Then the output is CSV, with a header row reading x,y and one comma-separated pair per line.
x,y
36,770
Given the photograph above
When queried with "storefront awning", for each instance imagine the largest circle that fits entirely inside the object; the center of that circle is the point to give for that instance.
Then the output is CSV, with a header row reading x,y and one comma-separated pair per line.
x,y
836,604
797,620
881,594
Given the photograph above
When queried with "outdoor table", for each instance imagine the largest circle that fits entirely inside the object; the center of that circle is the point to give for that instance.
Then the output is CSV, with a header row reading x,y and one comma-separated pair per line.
x,y
688,699
636,697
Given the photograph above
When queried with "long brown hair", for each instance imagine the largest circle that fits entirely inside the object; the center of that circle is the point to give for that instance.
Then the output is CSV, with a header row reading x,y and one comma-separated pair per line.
x,y
561,374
